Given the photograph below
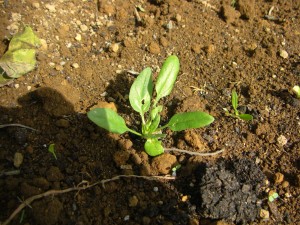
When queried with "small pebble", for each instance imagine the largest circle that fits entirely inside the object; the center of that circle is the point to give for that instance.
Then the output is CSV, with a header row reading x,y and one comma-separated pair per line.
x,y
265,214
18,159
75,65
114,47
155,189
126,218
282,140
36,5
78,37
133,201
285,184
178,17
50,7
283,54
83,27
17,86
278,178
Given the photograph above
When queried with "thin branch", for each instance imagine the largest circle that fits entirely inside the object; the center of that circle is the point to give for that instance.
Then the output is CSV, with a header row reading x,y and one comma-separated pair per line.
x,y
16,125
194,153
81,186
9,173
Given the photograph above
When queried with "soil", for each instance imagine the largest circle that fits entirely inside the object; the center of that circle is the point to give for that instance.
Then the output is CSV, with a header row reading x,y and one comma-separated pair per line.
x,y
90,53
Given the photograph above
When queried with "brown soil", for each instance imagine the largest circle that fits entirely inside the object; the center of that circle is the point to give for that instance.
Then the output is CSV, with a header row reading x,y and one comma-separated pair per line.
x,y
246,47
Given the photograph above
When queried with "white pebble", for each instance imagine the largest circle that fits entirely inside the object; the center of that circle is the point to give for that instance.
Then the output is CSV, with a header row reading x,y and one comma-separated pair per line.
x,y
126,218
282,140
283,54
17,86
78,37
50,7
83,27
75,65
155,189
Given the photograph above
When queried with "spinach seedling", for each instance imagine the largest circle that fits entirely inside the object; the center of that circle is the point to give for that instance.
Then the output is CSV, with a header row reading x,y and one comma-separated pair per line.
x,y
237,114
52,150
296,90
143,100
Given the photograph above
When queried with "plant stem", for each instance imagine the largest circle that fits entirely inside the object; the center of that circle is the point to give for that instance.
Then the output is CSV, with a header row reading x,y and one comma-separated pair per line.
x,y
134,132
193,153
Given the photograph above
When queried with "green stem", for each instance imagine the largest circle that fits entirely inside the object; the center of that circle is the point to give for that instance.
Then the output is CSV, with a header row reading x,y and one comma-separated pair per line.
x,y
134,132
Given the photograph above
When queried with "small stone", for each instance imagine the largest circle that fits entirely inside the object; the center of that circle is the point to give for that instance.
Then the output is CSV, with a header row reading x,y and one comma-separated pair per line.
x,y
44,45
83,27
36,5
154,48
75,65
114,47
285,184
78,37
178,17
264,214
209,49
51,8
17,86
108,105
62,123
133,201
59,68
164,42
29,88
184,198
283,54
164,163
18,159
278,178
282,140
196,48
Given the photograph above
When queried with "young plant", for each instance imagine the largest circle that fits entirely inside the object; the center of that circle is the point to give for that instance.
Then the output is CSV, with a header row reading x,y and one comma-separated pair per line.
x,y
51,149
237,114
146,103
296,90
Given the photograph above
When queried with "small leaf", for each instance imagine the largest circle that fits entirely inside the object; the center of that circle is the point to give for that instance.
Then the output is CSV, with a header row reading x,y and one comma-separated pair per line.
x,y
141,91
108,119
155,111
154,124
153,147
52,150
234,100
167,77
188,120
246,117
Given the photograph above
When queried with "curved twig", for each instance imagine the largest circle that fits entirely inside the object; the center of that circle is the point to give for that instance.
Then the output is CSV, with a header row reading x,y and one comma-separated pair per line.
x,y
16,125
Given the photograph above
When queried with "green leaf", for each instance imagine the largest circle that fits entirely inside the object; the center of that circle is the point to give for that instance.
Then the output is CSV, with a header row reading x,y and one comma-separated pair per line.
x,y
155,111
246,117
141,91
153,147
167,77
234,101
188,120
154,124
108,119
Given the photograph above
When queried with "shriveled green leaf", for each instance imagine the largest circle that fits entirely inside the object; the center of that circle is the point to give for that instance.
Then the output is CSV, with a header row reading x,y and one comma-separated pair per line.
x,y
234,100
20,57
167,77
141,91
246,117
108,119
188,120
153,147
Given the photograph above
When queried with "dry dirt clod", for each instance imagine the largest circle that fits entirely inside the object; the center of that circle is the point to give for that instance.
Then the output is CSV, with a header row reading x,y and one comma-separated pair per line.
x,y
278,178
154,48
164,163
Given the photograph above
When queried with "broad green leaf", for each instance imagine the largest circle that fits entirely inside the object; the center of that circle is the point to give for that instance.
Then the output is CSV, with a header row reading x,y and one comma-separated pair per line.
x,y
108,119
155,111
167,77
153,147
141,91
188,120
234,100
246,117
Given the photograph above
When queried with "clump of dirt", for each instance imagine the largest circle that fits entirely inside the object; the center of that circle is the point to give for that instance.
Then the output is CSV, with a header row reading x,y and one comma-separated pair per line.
x,y
231,190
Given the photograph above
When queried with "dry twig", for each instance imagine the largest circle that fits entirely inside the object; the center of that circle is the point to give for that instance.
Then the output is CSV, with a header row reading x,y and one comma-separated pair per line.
x,y
194,153
16,125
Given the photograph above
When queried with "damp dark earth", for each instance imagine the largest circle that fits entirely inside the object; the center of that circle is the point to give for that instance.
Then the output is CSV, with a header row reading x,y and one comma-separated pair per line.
x,y
91,52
